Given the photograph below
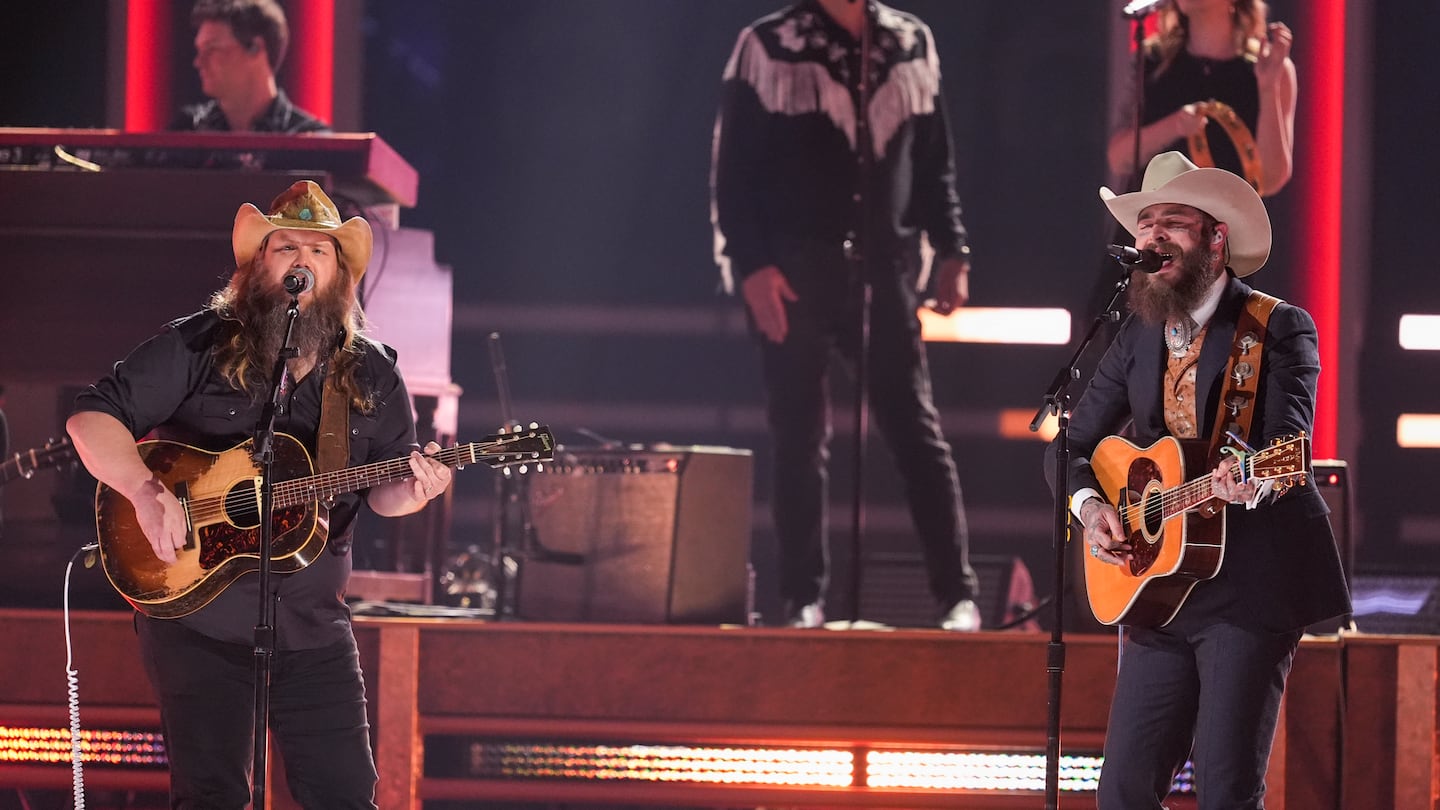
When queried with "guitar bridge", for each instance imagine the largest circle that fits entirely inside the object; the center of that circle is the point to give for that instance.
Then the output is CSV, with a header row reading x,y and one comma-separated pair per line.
x,y
182,494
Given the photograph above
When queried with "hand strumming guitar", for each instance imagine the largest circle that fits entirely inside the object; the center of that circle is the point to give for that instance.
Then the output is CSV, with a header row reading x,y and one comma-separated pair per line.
x,y
1104,533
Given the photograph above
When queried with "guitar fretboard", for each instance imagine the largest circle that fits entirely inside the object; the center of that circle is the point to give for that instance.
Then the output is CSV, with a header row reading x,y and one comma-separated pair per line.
x,y
322,486
1282,463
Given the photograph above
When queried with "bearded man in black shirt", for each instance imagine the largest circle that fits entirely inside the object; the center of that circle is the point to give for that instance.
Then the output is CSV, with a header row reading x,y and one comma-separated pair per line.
x,y
202,382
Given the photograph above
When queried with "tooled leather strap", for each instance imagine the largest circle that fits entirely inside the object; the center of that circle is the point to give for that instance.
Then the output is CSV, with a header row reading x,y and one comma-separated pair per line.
x,y
1242,375
1240,135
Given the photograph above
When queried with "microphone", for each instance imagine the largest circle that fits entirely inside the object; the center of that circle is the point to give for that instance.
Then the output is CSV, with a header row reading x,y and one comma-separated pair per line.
x,y
298,280
1146,261
1140,8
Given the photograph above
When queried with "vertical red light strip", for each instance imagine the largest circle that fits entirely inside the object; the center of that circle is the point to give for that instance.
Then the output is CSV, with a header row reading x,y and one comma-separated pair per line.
x,y
1319,168
310,72
147,66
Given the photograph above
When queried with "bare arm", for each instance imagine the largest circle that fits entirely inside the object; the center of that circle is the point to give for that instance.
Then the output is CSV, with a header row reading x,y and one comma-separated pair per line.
x,y
1275,135
397,498
1153,138
108,451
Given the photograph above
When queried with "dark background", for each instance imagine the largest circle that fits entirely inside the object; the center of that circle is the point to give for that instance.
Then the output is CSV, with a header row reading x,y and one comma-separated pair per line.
x,y
563,148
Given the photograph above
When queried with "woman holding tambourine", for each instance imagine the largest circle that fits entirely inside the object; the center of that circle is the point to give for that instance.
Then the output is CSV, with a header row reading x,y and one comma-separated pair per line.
x,y
1219,86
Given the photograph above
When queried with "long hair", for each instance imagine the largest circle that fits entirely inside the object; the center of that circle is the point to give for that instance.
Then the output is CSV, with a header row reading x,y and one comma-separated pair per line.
x,y
333,328
1247,27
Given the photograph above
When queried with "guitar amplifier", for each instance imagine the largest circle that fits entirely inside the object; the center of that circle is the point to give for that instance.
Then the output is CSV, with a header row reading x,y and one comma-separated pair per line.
x,y
654,535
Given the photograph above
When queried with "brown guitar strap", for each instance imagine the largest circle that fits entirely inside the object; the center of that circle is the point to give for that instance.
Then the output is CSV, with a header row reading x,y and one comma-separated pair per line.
x,y
332,441
1242,376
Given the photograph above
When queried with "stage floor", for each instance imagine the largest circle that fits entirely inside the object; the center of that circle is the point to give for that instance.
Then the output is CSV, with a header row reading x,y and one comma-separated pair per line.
x,y
483,714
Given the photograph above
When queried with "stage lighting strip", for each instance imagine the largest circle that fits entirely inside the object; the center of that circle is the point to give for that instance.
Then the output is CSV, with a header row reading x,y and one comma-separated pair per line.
x,y
794,767
664,763
52,745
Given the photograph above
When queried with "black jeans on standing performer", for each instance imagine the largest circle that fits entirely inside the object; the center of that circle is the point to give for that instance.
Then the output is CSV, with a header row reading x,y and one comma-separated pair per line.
x,y
317,718
822,322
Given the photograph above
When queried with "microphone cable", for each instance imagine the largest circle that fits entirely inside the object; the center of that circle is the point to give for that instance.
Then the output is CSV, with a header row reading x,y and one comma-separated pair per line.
x,y
72,680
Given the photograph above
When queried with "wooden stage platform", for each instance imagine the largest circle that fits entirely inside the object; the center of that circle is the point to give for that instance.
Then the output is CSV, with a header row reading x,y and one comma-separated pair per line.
x,y
476,714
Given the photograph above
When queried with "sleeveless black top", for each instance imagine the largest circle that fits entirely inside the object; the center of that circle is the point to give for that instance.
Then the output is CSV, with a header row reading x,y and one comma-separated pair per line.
x,y
1194,78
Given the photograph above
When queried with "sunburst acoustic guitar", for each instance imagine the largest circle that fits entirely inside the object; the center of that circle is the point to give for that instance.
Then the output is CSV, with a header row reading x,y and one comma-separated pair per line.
x,y
220,493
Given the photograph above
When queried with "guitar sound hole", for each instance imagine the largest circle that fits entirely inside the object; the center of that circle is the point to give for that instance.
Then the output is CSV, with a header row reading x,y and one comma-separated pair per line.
x,y
1153,513
242,505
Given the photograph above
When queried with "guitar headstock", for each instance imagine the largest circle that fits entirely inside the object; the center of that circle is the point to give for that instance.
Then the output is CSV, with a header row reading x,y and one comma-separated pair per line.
x,y
519,446
55,453
1286,462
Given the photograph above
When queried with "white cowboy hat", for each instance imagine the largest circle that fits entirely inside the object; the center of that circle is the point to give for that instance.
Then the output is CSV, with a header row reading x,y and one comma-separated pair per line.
x,y
1170,178
302,207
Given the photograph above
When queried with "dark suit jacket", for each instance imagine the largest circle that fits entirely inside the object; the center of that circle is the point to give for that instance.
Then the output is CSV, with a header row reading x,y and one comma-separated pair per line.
x,y
1281,569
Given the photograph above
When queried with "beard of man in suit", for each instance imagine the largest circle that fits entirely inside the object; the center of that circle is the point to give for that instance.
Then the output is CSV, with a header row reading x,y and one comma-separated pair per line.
x,y
1166,295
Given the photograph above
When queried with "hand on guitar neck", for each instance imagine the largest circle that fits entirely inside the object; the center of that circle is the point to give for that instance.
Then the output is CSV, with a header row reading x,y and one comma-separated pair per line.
x,y
1105,534
1154,533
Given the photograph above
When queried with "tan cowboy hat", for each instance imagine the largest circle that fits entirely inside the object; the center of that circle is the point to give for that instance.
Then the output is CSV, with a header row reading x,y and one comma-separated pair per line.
x,y
1170,178
302,207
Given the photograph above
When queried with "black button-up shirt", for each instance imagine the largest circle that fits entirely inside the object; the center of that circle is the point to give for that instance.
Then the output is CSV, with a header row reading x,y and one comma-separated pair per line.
x,y
282,116
168,388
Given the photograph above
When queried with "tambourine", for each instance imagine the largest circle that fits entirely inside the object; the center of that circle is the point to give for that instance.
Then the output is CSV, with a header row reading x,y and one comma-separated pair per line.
x,y
1240,135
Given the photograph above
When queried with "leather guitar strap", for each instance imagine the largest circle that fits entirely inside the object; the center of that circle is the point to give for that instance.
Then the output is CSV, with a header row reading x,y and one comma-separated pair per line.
x,y
332,441
1242,376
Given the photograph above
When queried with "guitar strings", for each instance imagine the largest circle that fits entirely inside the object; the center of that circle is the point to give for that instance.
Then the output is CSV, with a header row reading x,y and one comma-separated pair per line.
x,y
1177,499
323,485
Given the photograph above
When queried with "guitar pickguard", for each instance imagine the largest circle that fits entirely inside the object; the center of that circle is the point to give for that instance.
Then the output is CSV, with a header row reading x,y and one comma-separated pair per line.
x,y
1147,538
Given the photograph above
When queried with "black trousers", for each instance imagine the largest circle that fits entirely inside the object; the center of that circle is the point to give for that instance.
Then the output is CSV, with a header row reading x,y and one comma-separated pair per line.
x,y
317,716
824,324
1210,691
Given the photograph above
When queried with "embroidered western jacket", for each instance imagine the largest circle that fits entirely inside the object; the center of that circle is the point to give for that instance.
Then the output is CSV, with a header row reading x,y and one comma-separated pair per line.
x,y
789,143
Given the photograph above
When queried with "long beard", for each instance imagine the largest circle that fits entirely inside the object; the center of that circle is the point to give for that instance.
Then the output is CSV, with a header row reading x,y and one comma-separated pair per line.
x,y
320,325
1155,301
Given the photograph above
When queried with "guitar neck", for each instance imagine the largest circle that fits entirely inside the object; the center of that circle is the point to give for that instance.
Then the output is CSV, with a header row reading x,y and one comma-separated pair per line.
x,y
1282,463
29,462
322,486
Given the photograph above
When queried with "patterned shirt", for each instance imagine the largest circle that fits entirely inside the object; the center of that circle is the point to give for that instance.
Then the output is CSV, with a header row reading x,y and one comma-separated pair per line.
x,y
282,116
789,143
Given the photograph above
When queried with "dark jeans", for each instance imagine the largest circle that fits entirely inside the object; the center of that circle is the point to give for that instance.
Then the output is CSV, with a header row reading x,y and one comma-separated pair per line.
x,y
1210,692
822,323
317,716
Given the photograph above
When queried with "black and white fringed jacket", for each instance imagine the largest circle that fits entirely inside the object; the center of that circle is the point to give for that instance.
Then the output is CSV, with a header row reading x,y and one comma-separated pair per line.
x,y
788,141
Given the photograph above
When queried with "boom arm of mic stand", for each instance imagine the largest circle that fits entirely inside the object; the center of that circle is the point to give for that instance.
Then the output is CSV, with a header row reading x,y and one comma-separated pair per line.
x,y
1070,372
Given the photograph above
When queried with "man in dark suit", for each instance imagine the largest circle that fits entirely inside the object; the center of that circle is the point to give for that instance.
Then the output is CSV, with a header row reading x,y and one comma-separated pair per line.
x,y
1205,682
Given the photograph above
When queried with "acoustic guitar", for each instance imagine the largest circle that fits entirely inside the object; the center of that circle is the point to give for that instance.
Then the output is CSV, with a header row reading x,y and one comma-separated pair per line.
x,y
1175,528
220,493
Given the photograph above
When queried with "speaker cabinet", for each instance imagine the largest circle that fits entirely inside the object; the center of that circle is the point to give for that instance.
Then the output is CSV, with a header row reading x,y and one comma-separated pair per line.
x,y
1332,478
660,535
895,590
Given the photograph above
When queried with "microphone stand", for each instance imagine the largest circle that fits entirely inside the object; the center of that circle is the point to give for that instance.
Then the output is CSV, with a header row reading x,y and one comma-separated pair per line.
x,y
1057,401
512,494
1137,25
855,255
264,456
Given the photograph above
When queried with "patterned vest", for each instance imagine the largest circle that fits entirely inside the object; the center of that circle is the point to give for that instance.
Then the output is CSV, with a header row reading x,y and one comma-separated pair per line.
x,y
1180,389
